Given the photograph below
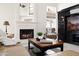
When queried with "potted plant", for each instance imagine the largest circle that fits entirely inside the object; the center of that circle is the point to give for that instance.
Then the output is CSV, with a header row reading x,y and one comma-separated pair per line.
x,y
39,35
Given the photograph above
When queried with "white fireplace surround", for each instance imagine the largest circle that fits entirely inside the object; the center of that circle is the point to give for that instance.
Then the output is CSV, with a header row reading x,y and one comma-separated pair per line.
x,y
26,25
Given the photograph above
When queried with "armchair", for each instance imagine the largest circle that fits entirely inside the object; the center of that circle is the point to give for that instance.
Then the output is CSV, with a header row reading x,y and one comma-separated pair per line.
x,y
9,41
5,40
51,33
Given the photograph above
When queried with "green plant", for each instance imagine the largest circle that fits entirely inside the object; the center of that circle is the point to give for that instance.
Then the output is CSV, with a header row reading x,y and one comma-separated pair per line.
x,y
39,33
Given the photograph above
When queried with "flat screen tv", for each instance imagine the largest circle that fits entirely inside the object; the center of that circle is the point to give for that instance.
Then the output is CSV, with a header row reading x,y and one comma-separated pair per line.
x,y
73,23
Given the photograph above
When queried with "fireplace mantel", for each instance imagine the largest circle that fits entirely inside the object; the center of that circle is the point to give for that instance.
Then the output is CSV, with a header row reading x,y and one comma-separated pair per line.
x,y
26,22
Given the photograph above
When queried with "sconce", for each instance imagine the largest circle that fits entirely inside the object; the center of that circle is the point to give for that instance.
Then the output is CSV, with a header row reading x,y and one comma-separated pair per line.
x,y
62,18
22,5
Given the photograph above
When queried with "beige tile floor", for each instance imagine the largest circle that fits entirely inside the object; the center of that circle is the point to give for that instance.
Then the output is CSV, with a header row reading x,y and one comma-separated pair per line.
x,y
68,46
17,50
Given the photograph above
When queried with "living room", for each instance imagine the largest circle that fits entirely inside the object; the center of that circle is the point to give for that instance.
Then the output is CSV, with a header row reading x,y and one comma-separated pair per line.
x,y
22,21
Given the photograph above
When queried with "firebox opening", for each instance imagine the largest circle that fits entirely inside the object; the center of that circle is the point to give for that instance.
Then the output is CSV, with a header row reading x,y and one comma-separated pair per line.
x,y
26,33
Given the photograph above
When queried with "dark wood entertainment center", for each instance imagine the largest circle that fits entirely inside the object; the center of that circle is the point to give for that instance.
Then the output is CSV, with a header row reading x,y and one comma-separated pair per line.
x,y
68,25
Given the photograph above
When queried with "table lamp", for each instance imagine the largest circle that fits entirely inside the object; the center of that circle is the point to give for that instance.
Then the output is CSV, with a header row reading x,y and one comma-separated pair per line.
x,y
6,23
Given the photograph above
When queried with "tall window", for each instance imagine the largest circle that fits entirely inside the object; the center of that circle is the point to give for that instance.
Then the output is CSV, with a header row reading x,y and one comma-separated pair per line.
x,y
51,17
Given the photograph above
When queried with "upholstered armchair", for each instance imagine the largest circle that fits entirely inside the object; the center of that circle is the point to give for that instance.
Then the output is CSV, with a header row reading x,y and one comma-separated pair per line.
x,y
50,33
5,40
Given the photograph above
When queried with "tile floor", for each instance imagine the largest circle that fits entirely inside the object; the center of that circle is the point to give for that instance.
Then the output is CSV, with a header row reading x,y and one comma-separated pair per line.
x,y
68,46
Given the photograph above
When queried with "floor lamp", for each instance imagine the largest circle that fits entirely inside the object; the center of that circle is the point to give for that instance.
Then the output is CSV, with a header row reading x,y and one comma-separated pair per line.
x,y
6,23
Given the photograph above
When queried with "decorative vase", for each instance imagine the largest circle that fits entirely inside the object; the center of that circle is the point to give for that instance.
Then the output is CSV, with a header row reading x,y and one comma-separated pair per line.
x,y
40,37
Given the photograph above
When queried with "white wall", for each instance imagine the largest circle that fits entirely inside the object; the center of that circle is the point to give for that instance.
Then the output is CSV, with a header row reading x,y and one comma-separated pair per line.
x,y
65,5
9,11
55,21
40,16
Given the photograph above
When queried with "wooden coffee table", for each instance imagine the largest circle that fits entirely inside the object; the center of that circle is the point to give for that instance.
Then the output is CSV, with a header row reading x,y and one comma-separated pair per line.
x,y
44,47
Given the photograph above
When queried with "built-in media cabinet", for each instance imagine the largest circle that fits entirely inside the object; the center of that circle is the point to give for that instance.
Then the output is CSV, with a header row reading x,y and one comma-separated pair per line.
x,y
68,24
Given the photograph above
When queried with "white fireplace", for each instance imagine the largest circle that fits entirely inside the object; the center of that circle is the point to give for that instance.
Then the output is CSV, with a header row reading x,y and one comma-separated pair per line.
x,y
26,25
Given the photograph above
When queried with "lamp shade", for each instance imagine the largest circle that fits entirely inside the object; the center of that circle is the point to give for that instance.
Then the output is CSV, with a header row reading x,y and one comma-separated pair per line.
x,y
6,23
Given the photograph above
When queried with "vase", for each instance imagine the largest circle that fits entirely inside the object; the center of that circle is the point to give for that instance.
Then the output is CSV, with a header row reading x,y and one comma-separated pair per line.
x,y
40,37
